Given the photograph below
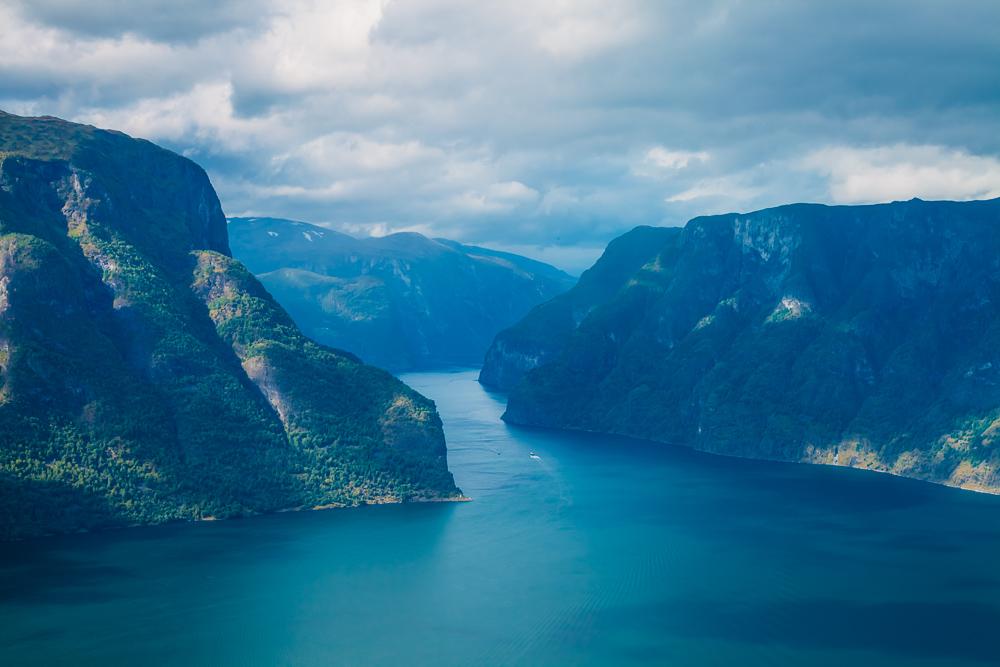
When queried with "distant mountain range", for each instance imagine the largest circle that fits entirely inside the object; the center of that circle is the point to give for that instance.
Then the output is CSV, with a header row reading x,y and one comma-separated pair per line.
x,y
147,376
862,336
402,301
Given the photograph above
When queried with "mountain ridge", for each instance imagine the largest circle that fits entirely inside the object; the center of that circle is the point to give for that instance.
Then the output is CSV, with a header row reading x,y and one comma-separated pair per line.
x,y
856,336
401,301
146,376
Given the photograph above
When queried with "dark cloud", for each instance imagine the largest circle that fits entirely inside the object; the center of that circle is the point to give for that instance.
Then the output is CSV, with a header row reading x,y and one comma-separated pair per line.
x,y
161,20
556,126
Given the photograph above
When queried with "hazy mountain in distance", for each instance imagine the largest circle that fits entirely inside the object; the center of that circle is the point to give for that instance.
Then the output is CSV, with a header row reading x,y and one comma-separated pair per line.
x,y
402,301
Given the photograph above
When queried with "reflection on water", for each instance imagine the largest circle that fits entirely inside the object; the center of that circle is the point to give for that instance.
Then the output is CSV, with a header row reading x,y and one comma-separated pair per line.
x,y
598,551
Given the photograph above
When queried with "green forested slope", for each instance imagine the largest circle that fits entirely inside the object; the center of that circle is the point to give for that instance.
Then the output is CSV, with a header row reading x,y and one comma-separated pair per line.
x,y
126,391
862,336
539,336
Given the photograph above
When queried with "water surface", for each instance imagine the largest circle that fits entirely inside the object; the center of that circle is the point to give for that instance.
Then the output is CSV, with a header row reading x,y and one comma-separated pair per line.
x,y
601,551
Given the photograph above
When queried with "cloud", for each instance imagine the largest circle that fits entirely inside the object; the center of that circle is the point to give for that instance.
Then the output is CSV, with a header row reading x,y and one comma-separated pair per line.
x,y
664,158
312,46
497,197
727,187
161,20
553,125
205,114
902,171
359,153
580,28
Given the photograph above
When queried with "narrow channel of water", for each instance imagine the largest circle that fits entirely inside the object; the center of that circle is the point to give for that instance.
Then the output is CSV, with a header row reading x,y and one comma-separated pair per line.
x,y
595,551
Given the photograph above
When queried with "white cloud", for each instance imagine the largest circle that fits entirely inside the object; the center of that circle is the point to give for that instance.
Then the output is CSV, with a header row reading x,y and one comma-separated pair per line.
x,y
903,171
664,158
560,200
729,188
352,151
205,113
313,45
513,191
379,229
336,191
496,197
579,28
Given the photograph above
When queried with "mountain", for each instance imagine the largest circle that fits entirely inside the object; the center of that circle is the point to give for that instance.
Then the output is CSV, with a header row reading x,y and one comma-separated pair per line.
x,y
862,336
539,336
147,376
401,301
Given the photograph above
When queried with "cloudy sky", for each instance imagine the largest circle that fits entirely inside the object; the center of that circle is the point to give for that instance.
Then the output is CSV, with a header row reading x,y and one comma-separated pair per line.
x,y
542,127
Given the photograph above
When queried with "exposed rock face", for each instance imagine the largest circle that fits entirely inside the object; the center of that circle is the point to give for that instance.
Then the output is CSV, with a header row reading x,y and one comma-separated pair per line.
x,y
860,336
402,301
146,376
508,360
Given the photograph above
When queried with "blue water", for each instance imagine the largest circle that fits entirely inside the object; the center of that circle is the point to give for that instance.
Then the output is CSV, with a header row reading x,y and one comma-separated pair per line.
x,y
600,552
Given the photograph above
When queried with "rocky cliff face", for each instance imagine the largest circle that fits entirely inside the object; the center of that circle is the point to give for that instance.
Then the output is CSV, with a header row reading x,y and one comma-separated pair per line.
x,y
145,376
403,301
507,360
859,336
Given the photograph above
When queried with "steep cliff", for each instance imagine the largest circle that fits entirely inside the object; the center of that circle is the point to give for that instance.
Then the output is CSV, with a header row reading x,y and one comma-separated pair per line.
x,y
145,376
861,336
539,336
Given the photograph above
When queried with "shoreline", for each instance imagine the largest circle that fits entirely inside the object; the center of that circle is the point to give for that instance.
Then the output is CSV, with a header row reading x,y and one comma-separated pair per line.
x,y
213,519
662,443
